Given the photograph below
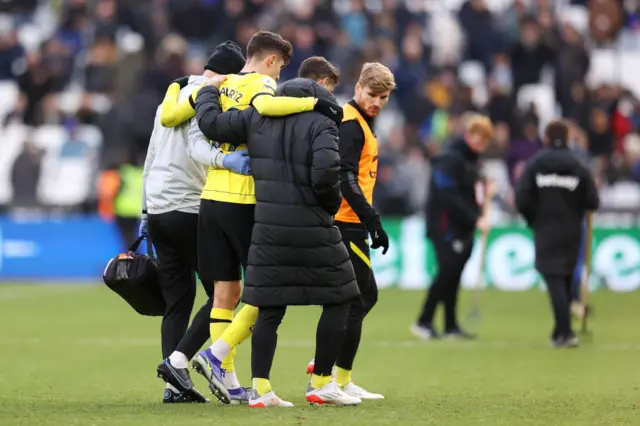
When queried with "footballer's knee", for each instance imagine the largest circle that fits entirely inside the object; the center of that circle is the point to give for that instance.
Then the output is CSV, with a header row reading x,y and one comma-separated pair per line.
x,y
227,294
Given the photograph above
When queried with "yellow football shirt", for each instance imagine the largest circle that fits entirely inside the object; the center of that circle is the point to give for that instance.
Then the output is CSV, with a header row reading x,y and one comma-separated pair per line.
x,y
238,91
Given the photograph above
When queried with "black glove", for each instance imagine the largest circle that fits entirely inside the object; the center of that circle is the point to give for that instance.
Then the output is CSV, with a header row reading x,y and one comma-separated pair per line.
x,y
329,109
379,236
182,81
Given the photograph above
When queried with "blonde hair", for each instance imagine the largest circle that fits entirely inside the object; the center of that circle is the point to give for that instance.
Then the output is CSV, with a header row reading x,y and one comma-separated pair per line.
x,y
479,124
377,77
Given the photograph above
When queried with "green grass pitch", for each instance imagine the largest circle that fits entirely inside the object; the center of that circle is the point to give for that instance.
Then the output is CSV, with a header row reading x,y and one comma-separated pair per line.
x,y
77,355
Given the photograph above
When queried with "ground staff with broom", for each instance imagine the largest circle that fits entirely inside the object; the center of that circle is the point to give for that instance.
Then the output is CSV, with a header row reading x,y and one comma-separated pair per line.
x,y
554,194
453,215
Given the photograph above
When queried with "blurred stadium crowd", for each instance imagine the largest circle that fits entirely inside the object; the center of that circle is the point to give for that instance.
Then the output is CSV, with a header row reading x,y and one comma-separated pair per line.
x,y
80,81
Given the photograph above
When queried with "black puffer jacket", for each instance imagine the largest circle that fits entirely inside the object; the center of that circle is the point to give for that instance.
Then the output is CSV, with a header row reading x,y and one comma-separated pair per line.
x,y
297,256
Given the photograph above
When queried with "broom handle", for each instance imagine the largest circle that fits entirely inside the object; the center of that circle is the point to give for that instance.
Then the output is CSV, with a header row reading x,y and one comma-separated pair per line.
x,y
486,209
584,293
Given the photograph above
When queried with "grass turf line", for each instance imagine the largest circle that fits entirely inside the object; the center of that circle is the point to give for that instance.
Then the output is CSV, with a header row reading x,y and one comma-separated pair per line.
x,y
80,355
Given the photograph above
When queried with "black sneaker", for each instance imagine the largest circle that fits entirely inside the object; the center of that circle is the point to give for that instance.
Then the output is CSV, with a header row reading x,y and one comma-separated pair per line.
x,y
173,397
458,334
179,378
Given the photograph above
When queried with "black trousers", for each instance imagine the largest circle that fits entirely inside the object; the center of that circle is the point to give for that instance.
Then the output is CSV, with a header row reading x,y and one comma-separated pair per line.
x,y
559,289
175,238
452,255
329,337
355,239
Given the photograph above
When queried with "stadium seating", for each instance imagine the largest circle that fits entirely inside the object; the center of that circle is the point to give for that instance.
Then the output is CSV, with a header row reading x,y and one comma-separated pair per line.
x,y
9,95
10,146
63,182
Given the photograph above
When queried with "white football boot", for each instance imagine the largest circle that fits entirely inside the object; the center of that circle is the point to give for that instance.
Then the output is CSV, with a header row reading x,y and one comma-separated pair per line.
x,y
330,394
269,399
354,390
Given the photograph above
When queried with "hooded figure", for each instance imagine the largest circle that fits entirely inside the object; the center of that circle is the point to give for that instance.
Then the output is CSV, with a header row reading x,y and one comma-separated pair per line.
x,y
297,256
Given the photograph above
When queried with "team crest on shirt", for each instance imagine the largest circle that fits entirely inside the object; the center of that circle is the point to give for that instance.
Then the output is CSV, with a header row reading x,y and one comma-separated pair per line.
x,y
457,246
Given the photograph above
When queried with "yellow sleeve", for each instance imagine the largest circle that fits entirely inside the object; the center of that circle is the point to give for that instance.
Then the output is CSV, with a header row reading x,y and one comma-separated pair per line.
x,y
174,113
272,106
263,99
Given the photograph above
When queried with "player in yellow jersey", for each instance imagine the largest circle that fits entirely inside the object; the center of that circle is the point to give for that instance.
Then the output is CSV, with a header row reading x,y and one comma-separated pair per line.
x,y
324,73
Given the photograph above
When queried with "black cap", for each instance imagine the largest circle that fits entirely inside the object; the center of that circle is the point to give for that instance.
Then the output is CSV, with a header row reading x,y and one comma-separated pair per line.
x,y
226,59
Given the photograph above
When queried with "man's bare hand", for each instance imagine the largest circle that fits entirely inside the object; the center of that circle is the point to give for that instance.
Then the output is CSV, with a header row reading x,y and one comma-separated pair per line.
x,y
216,81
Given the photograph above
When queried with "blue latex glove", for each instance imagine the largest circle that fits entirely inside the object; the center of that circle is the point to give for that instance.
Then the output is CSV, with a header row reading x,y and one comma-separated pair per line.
x,y
238,162
143,230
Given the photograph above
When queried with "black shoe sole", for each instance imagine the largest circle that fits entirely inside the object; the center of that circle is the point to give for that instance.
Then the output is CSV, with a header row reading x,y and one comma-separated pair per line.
x,y
165,373
214,390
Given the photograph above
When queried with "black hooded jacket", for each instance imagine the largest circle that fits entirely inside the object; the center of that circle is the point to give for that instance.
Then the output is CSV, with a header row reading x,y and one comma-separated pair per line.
x,y
452,210
553,195
297,256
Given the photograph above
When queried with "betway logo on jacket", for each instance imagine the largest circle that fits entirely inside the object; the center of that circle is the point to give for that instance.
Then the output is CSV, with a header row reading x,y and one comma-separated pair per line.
x,y
557,181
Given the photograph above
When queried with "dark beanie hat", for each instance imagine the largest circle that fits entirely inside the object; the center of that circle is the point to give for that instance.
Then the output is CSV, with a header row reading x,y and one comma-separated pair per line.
x,y
227,59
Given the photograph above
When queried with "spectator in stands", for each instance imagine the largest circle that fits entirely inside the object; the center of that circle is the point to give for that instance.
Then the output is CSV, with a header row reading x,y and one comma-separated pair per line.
x,y
101,66
25,175
75,22
356,24
523,147
529,55
483,39
59,61
632,151
509,22
35,83
579,105
11,52
106,24
571,65
600,133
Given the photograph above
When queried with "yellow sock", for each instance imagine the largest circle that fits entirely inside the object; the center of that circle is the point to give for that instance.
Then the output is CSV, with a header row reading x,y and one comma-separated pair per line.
x,y
263,386
220,320
318,382
343,377
239,331
241,327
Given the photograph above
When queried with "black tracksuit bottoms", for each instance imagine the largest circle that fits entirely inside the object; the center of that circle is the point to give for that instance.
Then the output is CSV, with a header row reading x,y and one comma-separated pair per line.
x,y
452,256
559,288
175,238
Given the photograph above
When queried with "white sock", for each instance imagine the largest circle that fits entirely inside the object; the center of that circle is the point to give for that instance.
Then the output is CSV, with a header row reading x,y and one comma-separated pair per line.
x,y
171,387
220,349
230,380
179,360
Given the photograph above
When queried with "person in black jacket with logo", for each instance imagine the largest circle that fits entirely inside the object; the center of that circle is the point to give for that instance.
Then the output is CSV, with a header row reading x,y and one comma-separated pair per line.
x,y
553,195
297,256
453,216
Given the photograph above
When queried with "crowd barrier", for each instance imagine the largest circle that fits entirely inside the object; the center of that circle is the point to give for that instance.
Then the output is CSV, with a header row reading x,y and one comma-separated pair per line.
x,y
78,248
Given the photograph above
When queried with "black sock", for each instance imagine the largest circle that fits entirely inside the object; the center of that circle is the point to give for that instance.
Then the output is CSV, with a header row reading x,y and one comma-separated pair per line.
x,y
329,337
349,348
198,333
